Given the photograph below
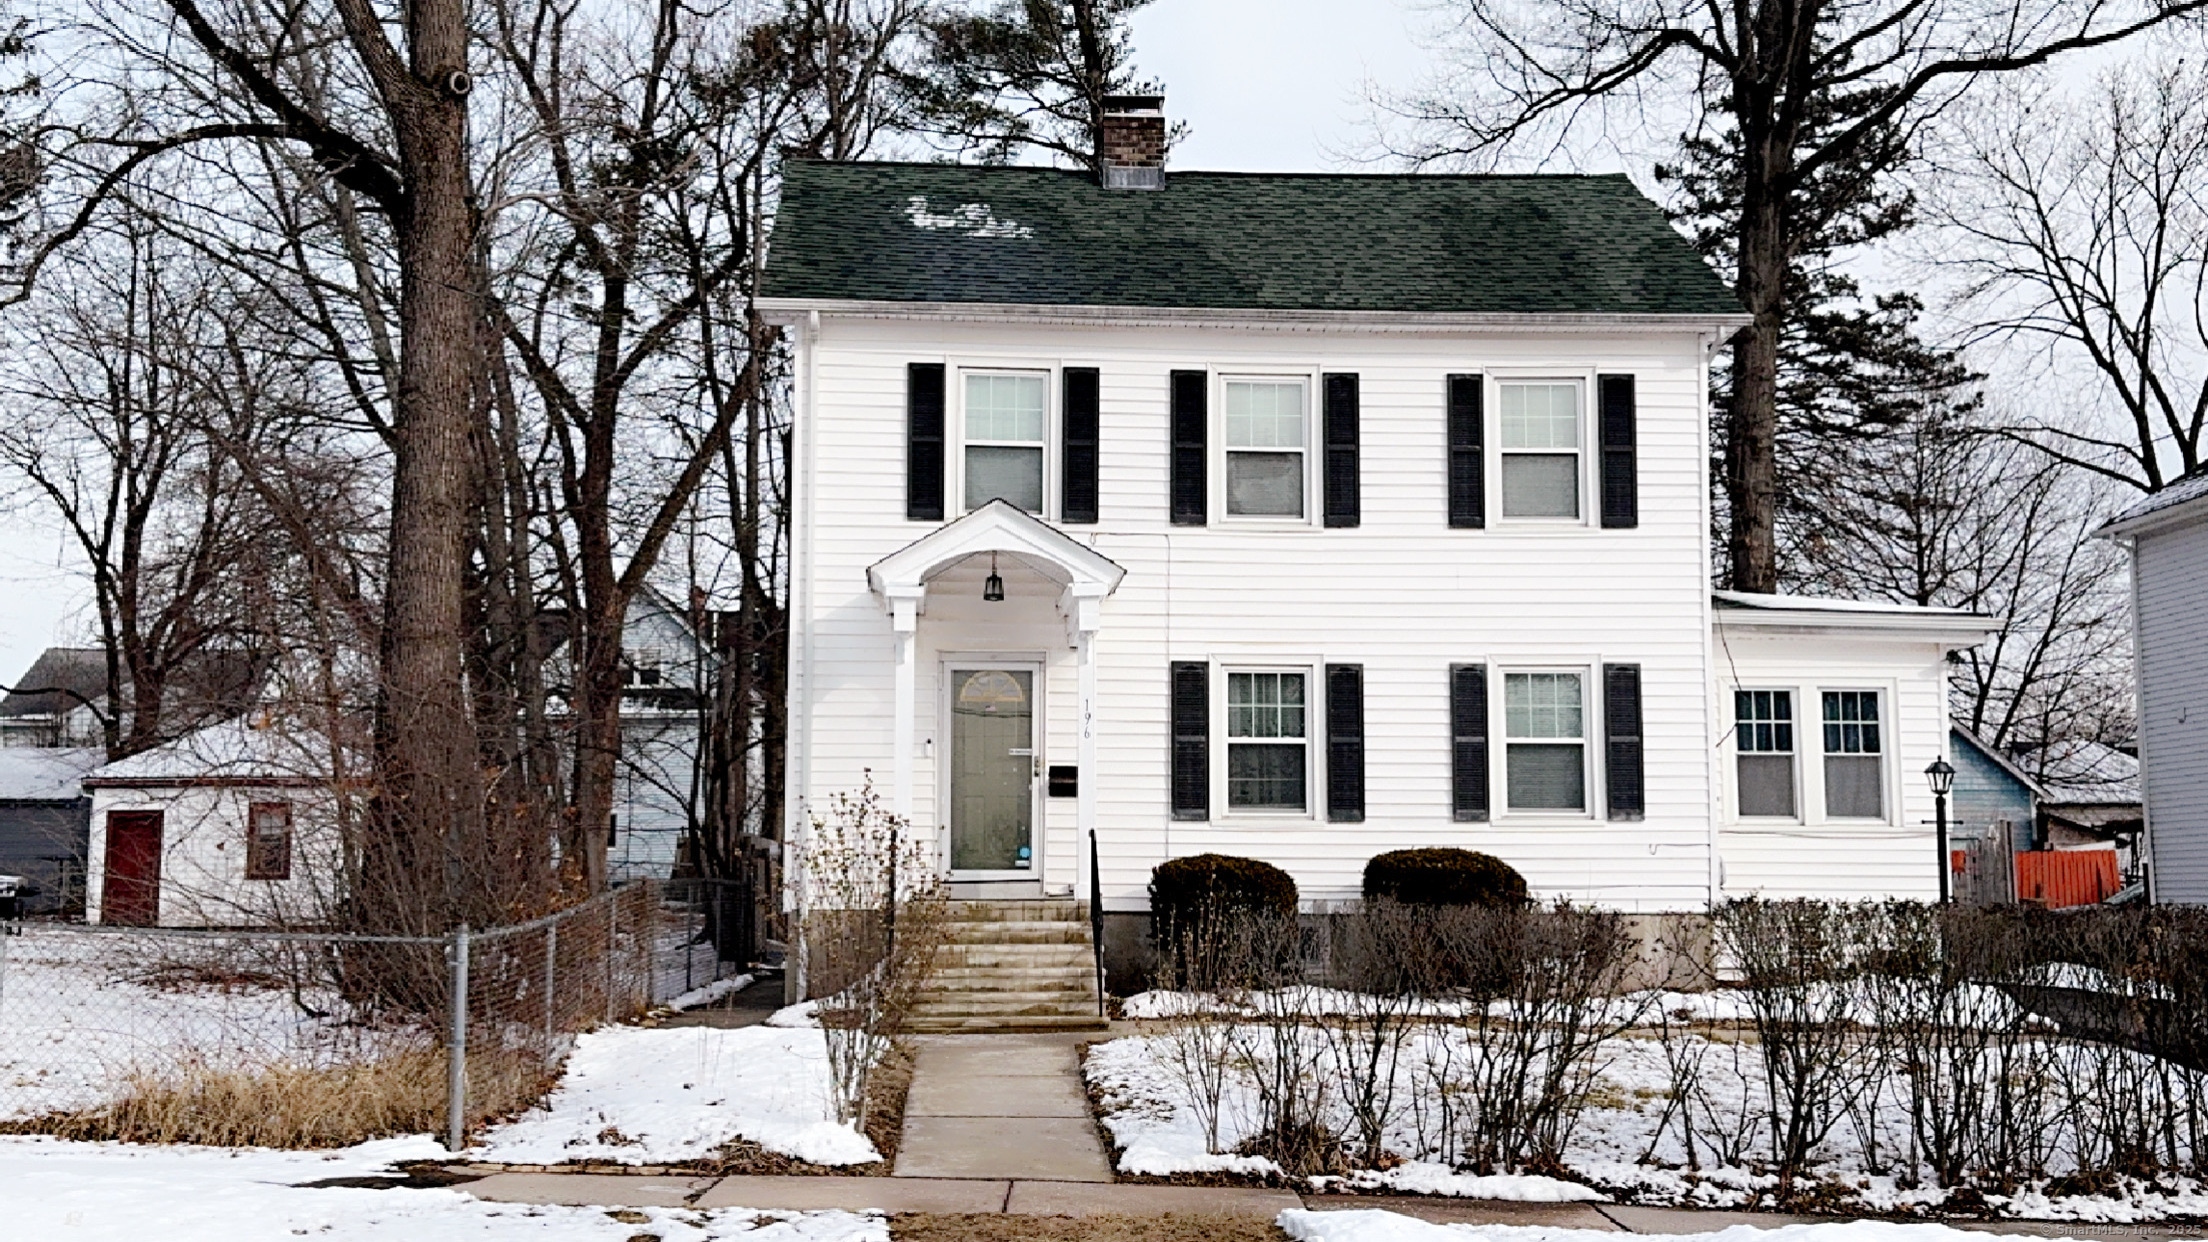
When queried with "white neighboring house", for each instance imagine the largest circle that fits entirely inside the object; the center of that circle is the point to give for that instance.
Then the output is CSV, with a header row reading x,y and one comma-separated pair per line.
x,y
232,825
1305,518
2168,535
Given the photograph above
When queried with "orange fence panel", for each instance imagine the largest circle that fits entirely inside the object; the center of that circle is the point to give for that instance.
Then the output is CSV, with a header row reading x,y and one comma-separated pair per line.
x,y
2060,878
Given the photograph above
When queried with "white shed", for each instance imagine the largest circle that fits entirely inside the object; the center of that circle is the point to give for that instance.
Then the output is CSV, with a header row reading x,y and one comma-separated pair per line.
x,y
233,825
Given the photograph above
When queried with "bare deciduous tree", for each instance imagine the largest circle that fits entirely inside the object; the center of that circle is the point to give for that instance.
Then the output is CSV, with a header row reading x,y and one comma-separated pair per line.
x,y
2085,240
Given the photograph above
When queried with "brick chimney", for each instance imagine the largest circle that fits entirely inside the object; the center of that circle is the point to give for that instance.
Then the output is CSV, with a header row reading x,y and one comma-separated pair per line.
x,y
1130,142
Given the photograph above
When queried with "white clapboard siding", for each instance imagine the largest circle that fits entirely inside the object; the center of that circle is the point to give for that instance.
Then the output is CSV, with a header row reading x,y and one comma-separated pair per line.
x,y
1402,594
2171,585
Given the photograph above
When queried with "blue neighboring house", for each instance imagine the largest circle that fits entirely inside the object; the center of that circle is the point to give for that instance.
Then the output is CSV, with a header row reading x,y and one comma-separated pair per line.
x,y
2060,796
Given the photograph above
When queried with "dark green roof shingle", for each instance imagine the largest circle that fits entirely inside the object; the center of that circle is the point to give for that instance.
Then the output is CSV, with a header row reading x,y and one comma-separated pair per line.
x,y
1038,236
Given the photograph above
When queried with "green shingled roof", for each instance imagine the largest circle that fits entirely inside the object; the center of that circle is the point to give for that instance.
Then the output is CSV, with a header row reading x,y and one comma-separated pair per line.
x,y
1038,236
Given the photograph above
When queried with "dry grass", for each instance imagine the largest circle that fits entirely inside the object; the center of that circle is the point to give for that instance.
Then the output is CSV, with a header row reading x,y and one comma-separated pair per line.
x,y
288,1107
1000,1227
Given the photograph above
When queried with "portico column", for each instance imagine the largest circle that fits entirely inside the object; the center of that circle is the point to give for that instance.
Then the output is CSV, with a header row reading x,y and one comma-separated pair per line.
x,y
1084,615
904,624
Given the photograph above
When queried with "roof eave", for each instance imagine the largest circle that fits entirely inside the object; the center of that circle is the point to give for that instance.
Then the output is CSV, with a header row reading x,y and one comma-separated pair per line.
x,y
1957,631
2183,513
790,310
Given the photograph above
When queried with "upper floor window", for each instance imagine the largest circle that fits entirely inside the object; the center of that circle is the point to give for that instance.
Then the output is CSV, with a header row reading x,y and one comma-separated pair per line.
x,y
1545,740
1267,422
1268,745
1763,734
1855,777
1006,436
1540,447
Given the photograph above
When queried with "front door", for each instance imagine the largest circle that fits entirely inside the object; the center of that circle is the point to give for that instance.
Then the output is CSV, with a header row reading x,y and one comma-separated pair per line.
x,y
993,760
130,893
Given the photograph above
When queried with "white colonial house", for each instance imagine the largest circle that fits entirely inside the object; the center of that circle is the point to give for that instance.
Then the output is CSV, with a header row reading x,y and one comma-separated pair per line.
x,y
1304,518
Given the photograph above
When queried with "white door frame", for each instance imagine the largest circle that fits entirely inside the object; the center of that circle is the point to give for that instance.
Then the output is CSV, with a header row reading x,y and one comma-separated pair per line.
x,y
1038,668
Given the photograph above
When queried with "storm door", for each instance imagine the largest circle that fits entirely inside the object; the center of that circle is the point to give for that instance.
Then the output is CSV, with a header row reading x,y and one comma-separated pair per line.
x,y
993,766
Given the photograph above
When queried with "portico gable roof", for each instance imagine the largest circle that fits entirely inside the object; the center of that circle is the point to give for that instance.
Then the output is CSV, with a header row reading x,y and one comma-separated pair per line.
x,y
900,580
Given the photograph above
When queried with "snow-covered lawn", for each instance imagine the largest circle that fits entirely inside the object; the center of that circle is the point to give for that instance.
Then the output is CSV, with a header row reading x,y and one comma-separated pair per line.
x,y
1623,1146
80,1009
100,1192
637,1095
1378,1226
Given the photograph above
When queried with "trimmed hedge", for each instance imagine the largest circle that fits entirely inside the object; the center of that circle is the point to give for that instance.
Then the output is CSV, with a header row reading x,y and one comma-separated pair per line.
x,y
1444,877
1181,886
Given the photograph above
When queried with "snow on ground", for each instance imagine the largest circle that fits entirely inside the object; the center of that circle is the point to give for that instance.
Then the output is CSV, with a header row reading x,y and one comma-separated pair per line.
x,y
1372,1225
641,1095
697,998
80,1009
104,1191
1627,1144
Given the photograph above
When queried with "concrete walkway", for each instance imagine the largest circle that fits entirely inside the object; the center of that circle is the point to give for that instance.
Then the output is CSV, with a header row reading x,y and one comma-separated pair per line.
x,y
1007,1108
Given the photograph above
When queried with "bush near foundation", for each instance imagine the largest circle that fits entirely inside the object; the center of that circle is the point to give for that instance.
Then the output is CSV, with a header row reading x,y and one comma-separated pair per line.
x,y
1222,921
1444,877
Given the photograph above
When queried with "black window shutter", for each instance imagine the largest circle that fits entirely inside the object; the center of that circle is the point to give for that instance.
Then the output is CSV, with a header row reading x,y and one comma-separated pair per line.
x,y
1189,456
1191,739
1468,742
1621,727
1343,499
1621,485
924,441
1467,452
1345,743
1078,443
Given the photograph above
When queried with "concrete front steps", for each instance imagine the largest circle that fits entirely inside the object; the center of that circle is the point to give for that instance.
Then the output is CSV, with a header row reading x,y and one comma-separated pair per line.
x,y
1019,965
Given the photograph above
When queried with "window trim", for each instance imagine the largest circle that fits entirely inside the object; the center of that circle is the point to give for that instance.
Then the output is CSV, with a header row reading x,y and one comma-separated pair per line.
x,y
1585,479
1888,802
1591,773
1312,451
257,866
956,442
1314,738
1793,756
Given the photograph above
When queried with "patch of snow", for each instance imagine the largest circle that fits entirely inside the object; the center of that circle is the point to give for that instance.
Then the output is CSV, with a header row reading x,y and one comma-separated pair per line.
x,y
711,992
1422,1177
638,1095
970,219
100,1191
1374,1225
800,1016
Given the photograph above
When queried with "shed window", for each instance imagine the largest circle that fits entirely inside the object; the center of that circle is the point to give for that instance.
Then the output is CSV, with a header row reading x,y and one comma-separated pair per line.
x,y
1855,781
1540,450
1268,748
1763,734
1545,733
268,841
1007,420
1266,434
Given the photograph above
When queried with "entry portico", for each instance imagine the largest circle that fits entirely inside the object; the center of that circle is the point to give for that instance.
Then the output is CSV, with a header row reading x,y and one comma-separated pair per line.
x,y
994,670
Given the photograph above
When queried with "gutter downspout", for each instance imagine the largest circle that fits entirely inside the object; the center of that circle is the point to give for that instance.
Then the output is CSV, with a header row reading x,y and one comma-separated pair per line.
x,y
798,766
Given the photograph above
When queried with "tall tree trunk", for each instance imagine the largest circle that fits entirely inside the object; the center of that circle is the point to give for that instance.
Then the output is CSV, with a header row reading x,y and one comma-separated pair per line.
x,y
429,811
1752,420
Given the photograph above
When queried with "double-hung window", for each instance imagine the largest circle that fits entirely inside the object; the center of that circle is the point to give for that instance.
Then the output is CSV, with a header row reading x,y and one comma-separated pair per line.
x,y
1540,446
268,841
1855,779
1545,741
1763,734
1267,424
1007,435
1268,742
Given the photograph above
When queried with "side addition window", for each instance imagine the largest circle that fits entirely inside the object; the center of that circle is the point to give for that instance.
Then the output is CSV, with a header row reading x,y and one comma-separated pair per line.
x,y
1855,779
1006,436
1266,423
1540,425
1268,748
1545,741
1763,734
268,841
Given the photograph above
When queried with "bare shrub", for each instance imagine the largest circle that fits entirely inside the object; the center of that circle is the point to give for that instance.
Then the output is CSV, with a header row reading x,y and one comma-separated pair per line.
x,y
873,920
1387,960
1796,964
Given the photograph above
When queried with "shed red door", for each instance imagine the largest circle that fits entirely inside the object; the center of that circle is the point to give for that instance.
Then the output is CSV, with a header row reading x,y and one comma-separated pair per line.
x,y
130,895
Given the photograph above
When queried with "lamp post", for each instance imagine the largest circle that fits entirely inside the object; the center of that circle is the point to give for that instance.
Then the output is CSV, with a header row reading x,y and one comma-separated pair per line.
x,y
1941,776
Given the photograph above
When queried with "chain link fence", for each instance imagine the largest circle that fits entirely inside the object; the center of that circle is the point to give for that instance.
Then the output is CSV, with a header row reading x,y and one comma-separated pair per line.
x,y
93,1018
